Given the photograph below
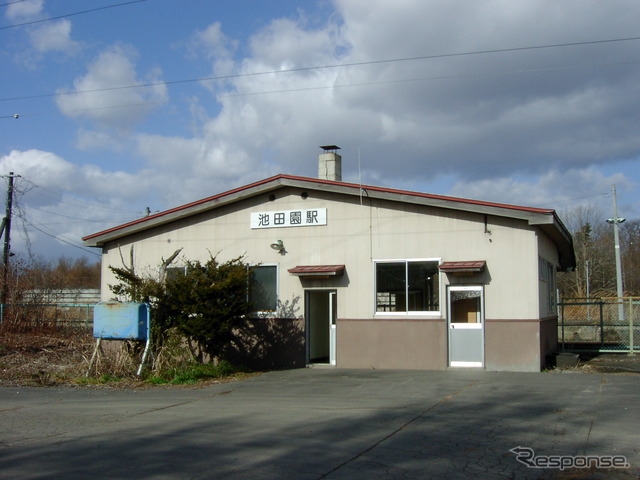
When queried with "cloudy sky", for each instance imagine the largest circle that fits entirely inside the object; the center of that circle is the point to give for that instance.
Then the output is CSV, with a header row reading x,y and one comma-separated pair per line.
x,y
129,105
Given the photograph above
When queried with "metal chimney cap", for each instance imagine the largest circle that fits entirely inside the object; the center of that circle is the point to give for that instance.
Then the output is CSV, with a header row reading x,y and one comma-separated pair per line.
x,y
328,148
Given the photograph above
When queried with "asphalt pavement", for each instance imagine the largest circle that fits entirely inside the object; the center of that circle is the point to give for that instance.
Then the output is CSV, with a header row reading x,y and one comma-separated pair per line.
x,y
330,424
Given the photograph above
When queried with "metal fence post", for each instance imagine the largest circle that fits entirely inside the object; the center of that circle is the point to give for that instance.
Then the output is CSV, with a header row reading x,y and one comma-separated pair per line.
x,y
601,325
631,343
562,315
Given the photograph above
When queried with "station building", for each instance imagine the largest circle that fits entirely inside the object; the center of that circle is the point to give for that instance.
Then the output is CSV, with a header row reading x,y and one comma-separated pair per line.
x,y
359,276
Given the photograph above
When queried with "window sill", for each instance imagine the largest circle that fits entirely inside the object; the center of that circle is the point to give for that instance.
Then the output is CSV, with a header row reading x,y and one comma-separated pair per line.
x,y
408,314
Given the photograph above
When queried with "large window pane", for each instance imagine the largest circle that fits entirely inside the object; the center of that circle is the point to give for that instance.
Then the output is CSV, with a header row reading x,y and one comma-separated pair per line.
x,y
391,287
423,287
408,286
263,286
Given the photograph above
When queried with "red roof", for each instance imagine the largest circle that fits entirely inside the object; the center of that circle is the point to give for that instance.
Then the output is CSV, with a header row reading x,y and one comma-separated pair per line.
x,y
453,267
317,270
547,219
367,188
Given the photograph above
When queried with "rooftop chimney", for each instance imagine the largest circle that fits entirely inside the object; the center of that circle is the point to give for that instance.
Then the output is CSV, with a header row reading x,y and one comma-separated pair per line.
x,y
330,164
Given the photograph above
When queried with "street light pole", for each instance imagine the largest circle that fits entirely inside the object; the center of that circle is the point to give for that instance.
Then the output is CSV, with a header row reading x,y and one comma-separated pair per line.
x,y
615,221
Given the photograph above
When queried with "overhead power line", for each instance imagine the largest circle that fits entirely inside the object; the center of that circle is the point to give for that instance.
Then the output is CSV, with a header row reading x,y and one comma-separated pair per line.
x,y
63,198
324,67
351,85
11,3
77,219
573,199
27,219
59,237
424,79
33,22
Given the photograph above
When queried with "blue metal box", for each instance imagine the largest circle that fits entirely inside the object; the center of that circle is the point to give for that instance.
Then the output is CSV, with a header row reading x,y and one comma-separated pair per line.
x,y
116,320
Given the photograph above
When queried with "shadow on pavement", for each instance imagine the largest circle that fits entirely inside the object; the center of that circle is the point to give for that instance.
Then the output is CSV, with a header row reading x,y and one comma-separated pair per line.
x,y
336,424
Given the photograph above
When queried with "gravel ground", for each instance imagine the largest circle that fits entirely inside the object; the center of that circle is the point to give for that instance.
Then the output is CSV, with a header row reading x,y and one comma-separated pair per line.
x,y
621,363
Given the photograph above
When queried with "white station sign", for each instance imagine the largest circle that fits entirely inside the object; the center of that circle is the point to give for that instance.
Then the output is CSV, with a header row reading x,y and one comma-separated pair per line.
x,y
305,217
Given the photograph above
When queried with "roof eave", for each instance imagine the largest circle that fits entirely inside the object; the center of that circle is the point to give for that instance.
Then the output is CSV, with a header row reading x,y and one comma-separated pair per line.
x,y
532,216
101,238
538,217
563,240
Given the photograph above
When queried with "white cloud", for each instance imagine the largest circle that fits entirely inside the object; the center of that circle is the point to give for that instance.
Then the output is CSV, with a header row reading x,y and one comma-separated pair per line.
x,y
54,36
213,45
187,169
245,136
539,127
476,116
286,43
103,101
43,38
554,189
57,202
213,42
25,9
100,140
48,170
38,166
473,116
167,152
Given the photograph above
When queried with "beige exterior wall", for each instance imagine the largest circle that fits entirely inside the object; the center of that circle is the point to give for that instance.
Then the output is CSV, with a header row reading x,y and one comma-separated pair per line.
x,y
356,235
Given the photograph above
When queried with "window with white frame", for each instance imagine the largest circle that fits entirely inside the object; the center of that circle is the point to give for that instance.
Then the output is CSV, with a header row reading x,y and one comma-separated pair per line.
x,y
547,276
407,286
263,288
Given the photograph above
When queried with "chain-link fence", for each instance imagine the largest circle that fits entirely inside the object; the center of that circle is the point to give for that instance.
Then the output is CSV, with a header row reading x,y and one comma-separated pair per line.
x,y
608,324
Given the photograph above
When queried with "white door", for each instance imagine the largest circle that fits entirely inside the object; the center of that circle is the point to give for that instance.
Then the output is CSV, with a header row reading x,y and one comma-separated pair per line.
x,y
466,326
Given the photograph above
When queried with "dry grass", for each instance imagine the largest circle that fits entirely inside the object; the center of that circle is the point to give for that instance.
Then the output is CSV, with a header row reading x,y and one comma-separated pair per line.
x,y
44,357
61,357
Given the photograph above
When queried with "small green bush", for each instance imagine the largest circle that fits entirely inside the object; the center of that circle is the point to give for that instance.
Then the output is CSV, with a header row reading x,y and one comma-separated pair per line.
x,y
156,380
194,372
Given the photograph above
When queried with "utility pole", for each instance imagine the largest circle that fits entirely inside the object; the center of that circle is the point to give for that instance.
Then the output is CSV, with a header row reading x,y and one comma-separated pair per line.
x,y
615,221
586,274
6,231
